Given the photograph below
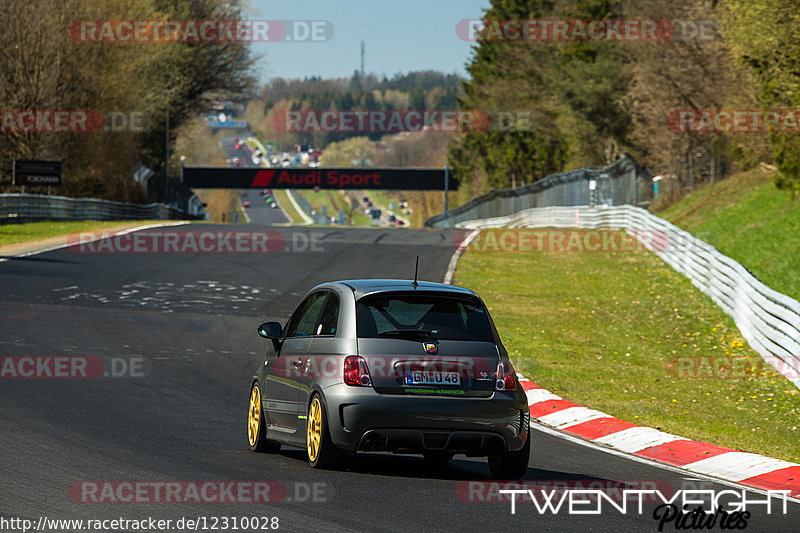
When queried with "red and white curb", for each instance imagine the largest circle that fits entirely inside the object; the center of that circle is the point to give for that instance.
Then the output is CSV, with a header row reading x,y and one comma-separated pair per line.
x,y
749,469
697,457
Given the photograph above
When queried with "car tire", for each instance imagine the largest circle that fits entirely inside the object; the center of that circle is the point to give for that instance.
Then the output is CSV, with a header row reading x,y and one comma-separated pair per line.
x,y
511,465
438,457
320,449
256,430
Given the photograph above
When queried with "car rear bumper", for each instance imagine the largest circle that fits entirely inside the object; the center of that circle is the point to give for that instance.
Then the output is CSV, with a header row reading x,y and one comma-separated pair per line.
x,y
422,441
360,419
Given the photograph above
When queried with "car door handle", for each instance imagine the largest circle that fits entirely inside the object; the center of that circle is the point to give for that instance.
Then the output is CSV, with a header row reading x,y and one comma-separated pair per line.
x,y
297,363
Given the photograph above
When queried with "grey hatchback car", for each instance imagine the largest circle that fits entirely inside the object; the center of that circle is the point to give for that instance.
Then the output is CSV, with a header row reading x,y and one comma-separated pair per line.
x,y
390,365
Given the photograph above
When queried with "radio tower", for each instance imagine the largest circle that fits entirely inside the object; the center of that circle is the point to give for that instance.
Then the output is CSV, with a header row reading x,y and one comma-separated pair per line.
x,y
362,60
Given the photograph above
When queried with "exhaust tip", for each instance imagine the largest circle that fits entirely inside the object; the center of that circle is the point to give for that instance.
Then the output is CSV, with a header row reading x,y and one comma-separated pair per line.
x,y
373,442
495,446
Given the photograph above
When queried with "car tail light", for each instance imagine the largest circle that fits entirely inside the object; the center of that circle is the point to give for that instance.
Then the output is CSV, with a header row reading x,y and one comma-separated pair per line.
x,y
505,377
356,371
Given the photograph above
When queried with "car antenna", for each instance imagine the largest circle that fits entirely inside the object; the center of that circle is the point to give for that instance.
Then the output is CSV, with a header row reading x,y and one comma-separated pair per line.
x,y
416,270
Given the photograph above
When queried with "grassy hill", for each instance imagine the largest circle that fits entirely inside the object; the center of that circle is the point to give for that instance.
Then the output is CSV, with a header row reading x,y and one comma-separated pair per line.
x,y
624,333
748,219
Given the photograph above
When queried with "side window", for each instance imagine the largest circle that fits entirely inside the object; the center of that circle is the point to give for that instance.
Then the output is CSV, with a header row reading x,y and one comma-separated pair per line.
x,y
305,318
330,316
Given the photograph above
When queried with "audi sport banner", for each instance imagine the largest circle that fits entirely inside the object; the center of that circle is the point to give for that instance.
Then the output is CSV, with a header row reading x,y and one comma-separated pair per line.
x,y
406,179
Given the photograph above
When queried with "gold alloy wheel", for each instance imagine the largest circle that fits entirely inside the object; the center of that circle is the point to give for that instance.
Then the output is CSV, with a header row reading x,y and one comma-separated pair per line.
x,y
314,435
254,415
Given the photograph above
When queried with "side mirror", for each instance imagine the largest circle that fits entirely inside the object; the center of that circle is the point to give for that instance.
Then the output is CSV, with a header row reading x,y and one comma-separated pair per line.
x,y
270,330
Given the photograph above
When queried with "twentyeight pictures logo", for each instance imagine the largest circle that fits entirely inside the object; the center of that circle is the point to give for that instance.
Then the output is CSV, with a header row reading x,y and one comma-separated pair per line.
x,y
199,31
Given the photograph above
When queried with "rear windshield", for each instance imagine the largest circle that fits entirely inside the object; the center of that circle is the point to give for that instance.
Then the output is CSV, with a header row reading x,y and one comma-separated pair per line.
x,y
422,316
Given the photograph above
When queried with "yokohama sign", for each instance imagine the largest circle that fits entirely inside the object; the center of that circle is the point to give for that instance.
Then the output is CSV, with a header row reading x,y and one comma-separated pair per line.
x,y
407,179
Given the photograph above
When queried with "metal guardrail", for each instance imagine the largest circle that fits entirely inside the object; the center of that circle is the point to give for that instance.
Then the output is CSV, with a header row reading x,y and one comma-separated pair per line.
x,y
768,320
622,182
16,208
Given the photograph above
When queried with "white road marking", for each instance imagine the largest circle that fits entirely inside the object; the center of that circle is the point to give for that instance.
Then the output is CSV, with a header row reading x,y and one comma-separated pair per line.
x,y
571,416
540,395
451,267
737,466
637,438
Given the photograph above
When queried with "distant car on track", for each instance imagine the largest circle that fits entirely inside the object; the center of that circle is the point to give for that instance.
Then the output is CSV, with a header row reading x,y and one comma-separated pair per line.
x,y
390,365
246,203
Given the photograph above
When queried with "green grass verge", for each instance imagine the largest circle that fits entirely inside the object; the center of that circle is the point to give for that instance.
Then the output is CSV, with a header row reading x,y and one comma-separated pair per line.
x,y
319,199
35,231
617,331
384,201
282,197
748,219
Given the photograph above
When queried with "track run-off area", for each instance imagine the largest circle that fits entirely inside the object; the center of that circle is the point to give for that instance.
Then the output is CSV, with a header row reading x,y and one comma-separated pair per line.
x,y
170,343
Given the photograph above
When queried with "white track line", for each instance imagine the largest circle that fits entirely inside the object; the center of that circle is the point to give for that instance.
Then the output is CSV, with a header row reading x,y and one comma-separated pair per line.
x,y
540,395
737,465
451,267
306,219
571,416
637,438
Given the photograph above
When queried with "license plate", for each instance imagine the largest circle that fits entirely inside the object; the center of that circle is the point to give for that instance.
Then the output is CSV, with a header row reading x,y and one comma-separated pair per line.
x,y
432,377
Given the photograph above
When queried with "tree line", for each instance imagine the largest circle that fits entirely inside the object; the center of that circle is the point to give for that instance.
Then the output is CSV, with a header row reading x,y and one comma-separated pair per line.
x,y
594,99
417,90
45,67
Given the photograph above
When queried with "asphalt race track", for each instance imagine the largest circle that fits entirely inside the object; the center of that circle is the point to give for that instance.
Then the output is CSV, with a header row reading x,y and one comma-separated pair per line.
x,y
187,323
259,212
243,152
